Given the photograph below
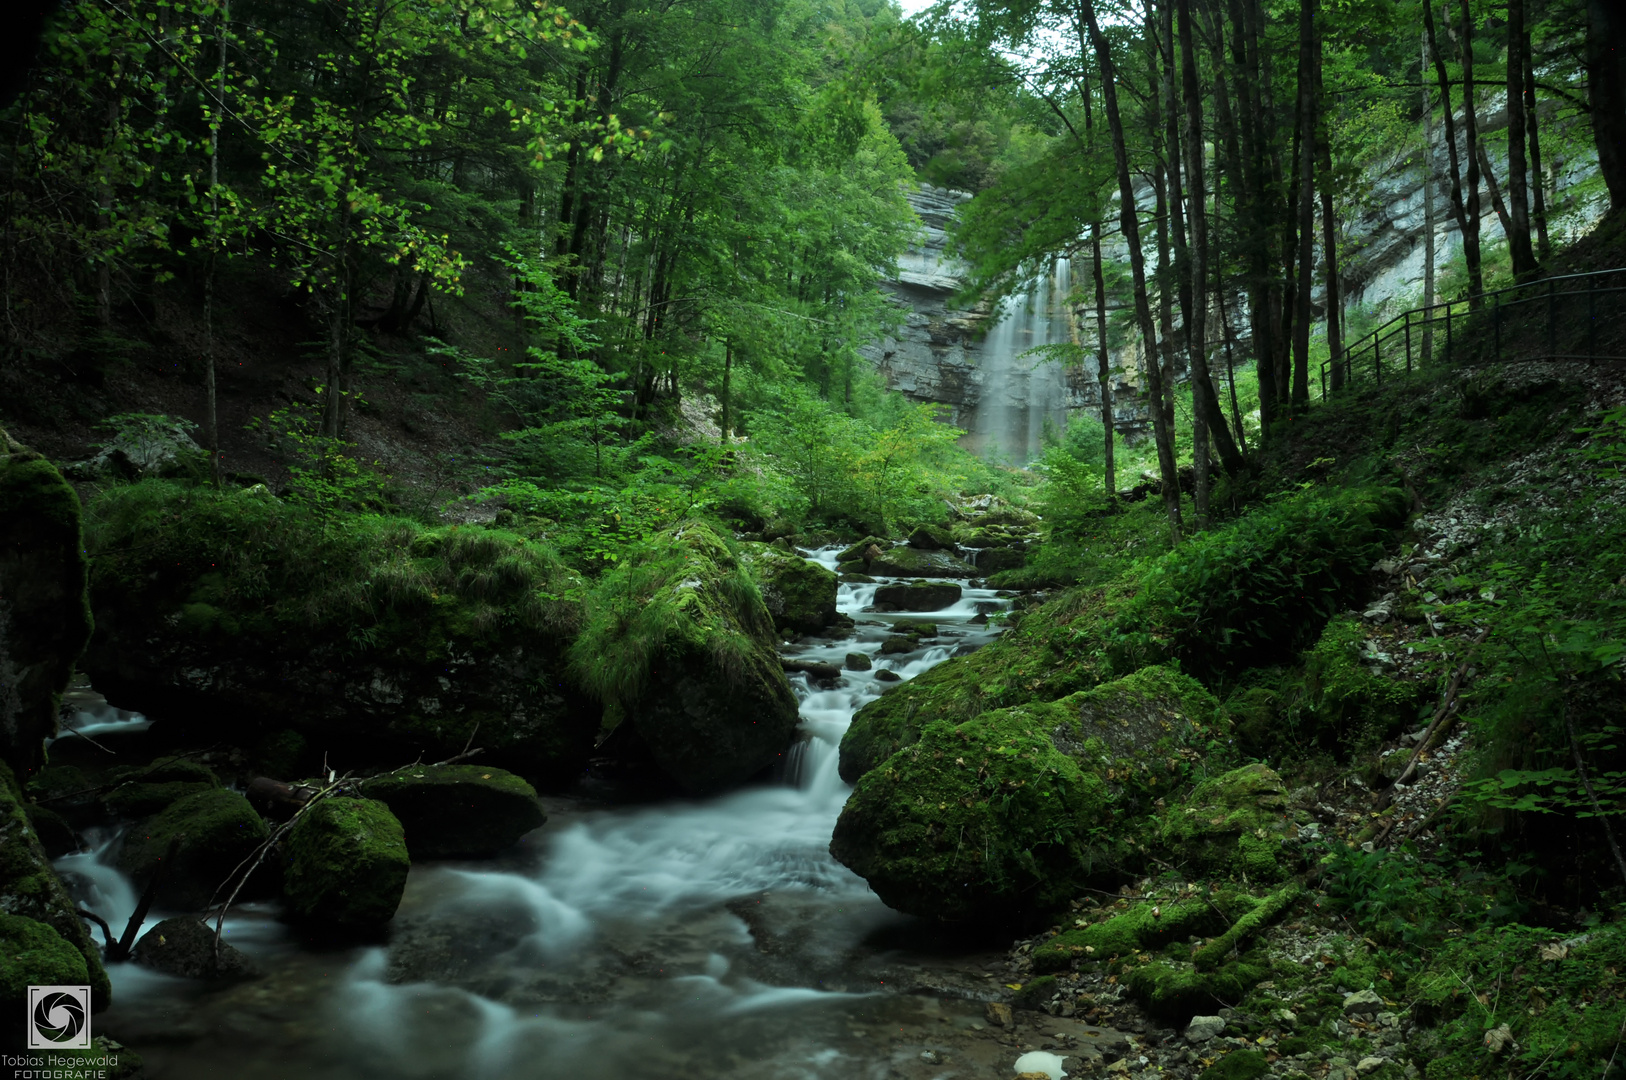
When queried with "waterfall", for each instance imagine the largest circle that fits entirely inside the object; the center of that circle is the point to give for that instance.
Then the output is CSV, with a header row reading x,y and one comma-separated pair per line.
x,y
1019,390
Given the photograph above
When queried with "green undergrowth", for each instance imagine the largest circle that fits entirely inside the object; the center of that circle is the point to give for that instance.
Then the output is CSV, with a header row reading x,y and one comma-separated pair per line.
x,y
241,565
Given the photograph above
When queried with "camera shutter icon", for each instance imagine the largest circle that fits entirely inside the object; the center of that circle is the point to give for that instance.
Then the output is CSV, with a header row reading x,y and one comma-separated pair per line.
x,y
58,1018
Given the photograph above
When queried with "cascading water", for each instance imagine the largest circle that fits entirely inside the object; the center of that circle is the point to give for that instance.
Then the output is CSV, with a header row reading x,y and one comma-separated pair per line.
x,y
708,939
1019,389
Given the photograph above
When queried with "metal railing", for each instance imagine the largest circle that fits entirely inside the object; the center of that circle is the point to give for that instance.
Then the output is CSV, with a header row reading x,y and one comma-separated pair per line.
x,y
1413,338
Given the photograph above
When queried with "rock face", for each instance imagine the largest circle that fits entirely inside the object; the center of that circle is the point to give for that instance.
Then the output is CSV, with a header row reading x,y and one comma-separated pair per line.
x,y
217,830
44,616
996,816
30,888
347,865
457,811
185,947
799,593
679,644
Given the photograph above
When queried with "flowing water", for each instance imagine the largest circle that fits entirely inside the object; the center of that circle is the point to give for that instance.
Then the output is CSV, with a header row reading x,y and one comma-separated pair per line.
x,y
1020,389
675,938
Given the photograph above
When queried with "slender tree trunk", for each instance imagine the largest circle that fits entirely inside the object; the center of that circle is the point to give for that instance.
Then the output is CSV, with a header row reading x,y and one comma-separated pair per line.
x,y
1329,228
1459,208
1430,222
1307,138
1518,201
728,372
1230,365
1606,92
1137,269
1103,361
1495,190
1470,128
212,419
1531,123
1205,400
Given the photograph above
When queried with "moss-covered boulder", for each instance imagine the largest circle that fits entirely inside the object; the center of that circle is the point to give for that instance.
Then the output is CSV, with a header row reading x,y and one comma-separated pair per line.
x,y
346,865
216,829
1140,928
679,643
32,954
185,947
931,538
378,642
141,791
799,593
44,615
917,596
910,562
1174,991
1014,811
457,811
30,888
1351,705
1235,824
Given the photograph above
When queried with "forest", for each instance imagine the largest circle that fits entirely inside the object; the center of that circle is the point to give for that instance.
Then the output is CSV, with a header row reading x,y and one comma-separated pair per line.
x,y
814,539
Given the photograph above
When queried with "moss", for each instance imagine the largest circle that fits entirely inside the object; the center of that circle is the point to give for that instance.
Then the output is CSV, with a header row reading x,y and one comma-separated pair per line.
x,y
1035,992
30,888
1269,910
217,829
1232,822
1176,992
54,781
1238,1065
143,791
800,594
33,954
457,811
1351,707
347,864
1133,931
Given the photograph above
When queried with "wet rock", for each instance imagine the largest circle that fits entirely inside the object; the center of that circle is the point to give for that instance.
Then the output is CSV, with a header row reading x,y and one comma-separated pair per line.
x,y
32,954
29,888
185,947
1203,1028
993,560
998,1014
931,538
864,550
1363,1003
141,791
347,865
44,616
816,671
898,644
857,661
55,834
885,675
799,593
908,562
217,830
917,596
457,811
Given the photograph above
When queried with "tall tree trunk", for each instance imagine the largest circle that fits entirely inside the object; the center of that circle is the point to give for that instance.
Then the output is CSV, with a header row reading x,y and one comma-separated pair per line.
x,y
1256,211
1230,366
1470,130
1103,361
1430,222
1532,124
1205,400
1459,209
1137,269
212,419
1329,228
1495,190
1518,201
1306,200
728,373
1606,92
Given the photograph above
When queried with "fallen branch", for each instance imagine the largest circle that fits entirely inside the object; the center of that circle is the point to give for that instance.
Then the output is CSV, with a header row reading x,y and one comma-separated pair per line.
x,y
1447,706
121,950
1269,909
107,932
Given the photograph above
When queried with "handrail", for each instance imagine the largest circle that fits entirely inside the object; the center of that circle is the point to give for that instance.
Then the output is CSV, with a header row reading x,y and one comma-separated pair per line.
x,y
1426,320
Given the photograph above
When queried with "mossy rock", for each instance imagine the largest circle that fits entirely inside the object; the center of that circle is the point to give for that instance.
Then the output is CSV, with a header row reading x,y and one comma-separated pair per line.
x,y
917,596
1136,930
1238,1065
679,643
913,563
31,889
799,593
217,830
346,865
56,836
185,947
56,781
1007,516
1236,823
32,954
1351,706
931,538
993,560
143,791
1175,992
857,552
457,811
45,621
1035,992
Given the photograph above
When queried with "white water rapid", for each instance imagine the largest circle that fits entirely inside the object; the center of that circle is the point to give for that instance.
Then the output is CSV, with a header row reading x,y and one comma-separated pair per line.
x,y
700,939
1019,389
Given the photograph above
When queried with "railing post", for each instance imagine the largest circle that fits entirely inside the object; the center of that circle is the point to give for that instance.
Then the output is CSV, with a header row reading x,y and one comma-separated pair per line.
x,y
1408,343
1552,322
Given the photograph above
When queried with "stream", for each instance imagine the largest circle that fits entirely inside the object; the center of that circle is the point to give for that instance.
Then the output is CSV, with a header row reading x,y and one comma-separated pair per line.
x,y
706,938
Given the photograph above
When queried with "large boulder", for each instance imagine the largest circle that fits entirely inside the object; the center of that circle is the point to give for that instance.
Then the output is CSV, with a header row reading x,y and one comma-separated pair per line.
x,y
185,947
44,617
917,596
910,562
346,865
141,791
1236,824
378,643
679,644
32,954
799,593
216,829
457,811
931,538
31,889
1013,812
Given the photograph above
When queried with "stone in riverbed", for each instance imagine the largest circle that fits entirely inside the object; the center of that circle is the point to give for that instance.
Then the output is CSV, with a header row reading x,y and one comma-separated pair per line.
x,y
913,563
897,644
217,829
347,865
931,538
993,560
185,947
799,593
1203,1028
917,596
857,661
457,811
